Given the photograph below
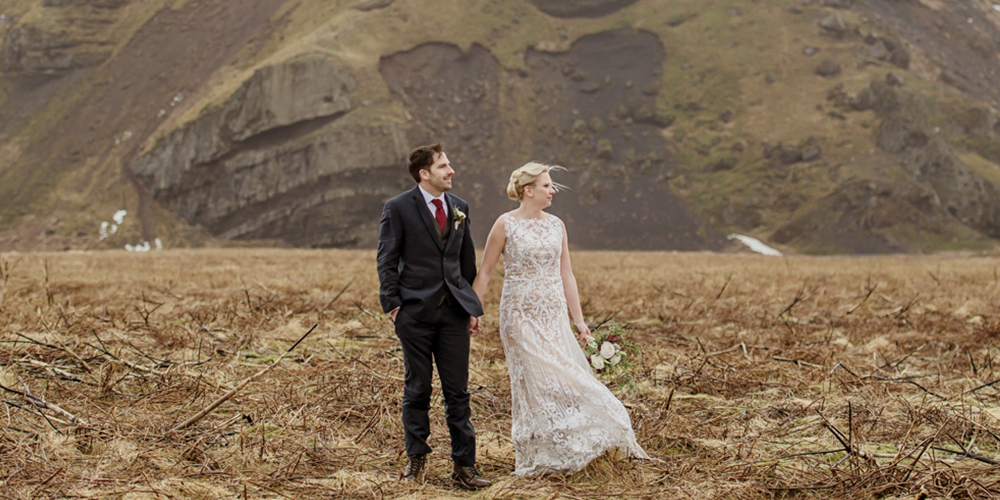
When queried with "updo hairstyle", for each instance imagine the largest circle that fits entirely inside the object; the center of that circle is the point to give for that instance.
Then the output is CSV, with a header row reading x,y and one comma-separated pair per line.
x,y
526,176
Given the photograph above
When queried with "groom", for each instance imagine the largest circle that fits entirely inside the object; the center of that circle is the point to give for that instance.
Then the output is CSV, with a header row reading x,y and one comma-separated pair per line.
x,y
426,264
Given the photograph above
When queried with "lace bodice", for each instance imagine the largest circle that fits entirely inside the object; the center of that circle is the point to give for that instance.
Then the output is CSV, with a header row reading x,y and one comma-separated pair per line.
x,y
563,417
532,286
533,249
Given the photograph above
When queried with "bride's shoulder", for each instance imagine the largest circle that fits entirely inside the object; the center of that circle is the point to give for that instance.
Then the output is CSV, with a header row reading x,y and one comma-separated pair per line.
x,y
507,217
501,221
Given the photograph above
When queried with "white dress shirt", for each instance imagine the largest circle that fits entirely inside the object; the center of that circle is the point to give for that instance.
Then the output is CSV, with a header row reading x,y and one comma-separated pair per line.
x,y
428,200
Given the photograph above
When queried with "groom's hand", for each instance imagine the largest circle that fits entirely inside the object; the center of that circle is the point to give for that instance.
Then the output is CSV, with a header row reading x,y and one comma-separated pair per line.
x,y
474,324
393,313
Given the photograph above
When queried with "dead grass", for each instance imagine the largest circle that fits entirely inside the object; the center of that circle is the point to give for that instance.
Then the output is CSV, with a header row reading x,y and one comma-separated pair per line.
x,y
759,375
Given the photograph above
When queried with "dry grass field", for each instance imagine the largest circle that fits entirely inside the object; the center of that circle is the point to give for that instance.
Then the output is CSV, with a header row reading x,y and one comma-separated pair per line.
x,y
762,377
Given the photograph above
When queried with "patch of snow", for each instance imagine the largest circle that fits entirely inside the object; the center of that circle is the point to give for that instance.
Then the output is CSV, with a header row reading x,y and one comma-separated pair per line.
x,y
145,246
142,247
754,244
108,228
124,137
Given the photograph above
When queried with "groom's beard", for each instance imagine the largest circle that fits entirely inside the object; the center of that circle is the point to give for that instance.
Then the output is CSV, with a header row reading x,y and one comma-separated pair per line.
x,y
441,184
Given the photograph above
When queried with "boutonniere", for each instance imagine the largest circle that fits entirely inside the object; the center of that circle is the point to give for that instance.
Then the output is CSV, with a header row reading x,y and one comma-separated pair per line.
x,y
459,217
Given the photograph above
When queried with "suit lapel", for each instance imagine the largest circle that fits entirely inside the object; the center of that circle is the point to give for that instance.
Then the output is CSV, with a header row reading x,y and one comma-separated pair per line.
x,y
451,220
425,215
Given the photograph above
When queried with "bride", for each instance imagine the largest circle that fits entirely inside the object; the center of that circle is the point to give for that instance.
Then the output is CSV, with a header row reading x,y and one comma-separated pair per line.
x,y
563,416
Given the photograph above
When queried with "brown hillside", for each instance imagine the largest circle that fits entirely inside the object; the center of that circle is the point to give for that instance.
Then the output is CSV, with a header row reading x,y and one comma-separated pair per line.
x,y
830,126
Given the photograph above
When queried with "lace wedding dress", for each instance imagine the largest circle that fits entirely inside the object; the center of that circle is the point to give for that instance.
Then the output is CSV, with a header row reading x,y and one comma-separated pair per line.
x,y
563,416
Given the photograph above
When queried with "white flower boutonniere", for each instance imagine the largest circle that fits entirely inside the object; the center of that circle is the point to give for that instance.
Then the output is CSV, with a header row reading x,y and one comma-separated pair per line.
x,y
459,217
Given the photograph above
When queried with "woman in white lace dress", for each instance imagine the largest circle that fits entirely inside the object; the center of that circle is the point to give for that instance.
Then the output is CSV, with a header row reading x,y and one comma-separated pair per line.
x,y
563,416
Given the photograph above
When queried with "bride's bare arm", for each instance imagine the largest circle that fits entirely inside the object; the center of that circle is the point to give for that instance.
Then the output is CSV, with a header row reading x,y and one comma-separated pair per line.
x,y
571,290
494,247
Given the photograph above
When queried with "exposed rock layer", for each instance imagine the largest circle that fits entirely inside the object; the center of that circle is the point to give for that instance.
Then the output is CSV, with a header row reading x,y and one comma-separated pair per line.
x,y
281,158
27,48
81,41
275,152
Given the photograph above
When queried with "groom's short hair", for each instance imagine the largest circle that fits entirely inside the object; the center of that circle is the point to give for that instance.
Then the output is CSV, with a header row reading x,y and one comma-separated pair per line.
x,y
423,157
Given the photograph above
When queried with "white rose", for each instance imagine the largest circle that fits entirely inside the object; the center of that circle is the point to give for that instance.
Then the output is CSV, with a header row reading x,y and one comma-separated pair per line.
x,y
597,362
615,359
607,350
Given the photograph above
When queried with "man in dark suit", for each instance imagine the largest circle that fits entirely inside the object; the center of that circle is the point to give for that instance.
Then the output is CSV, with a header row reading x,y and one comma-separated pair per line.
x,y
426,265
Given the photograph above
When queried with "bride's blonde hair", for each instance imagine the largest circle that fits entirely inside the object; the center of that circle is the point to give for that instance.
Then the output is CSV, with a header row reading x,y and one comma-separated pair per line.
x,y
526,176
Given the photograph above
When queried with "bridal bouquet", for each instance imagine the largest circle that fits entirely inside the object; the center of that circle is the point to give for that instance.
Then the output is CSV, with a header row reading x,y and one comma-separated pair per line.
x,y
611,354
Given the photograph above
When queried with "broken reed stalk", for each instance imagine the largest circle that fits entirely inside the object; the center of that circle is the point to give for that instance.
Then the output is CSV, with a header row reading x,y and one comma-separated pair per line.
x,y
801,294
4,277
225,397
134,366
48,293
342,290
724,285
41,403
871,290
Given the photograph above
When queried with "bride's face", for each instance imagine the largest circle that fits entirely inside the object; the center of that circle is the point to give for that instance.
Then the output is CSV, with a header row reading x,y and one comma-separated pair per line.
x,y
541,191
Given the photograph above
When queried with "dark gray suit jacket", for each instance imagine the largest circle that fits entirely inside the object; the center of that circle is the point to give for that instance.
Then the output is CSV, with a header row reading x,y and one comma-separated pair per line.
x,y
415,270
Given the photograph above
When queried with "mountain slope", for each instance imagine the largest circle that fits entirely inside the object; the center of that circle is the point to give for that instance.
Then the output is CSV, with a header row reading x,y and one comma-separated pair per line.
x,y
830,127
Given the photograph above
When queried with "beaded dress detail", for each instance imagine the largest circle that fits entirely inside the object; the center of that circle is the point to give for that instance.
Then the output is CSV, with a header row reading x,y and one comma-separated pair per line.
x,y
563,416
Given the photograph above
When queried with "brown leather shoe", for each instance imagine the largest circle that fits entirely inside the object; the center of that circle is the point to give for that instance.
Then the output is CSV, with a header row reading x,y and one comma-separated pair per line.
x,y
468,478
414,466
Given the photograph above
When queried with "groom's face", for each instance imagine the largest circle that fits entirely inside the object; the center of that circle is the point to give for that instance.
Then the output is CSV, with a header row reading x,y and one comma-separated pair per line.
x,y
438,175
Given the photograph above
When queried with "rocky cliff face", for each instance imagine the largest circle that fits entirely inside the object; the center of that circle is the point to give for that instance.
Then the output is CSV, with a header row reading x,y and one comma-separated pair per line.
x,y
283,158
275,157
81,40
958,41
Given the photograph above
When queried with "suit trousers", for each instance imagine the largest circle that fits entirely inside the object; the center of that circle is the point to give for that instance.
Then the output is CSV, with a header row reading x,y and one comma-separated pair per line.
x,y
443,341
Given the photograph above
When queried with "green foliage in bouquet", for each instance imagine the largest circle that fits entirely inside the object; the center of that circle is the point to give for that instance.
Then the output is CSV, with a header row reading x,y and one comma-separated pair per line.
x,y
612,355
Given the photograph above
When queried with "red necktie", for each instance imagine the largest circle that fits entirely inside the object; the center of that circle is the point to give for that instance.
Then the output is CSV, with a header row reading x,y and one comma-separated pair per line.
x,y
439,213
